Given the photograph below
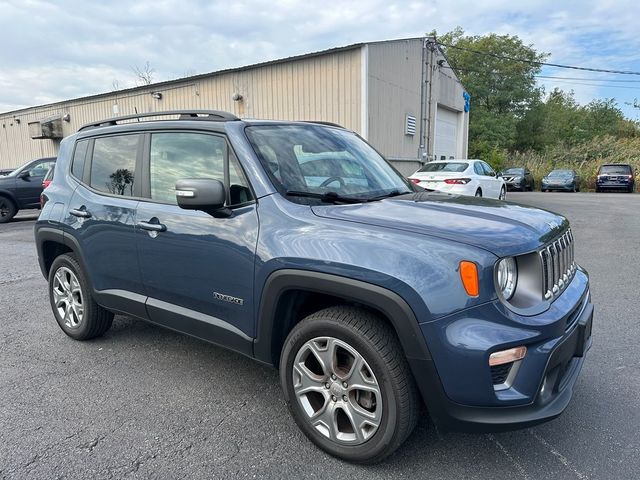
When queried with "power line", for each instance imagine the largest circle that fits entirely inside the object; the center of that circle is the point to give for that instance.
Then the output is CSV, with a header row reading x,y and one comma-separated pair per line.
x,y
533,62
589,79
570,80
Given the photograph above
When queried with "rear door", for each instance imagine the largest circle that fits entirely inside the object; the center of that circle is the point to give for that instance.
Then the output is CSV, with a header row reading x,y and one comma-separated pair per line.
x,y
197,269
101,218
492,181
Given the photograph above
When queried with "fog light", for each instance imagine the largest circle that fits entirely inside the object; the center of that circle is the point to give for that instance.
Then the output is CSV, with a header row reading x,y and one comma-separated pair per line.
x,y
507,356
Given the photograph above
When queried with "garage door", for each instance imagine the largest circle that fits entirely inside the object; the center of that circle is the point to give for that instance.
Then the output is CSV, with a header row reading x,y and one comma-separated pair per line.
x,y
446,139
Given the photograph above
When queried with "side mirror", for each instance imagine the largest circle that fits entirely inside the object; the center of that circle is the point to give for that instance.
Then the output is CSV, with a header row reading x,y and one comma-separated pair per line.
x,y
204,194
499,174
24,174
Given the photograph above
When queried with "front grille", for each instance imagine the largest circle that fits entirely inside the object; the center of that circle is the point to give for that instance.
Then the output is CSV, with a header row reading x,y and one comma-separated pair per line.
x,y
499,373
558,266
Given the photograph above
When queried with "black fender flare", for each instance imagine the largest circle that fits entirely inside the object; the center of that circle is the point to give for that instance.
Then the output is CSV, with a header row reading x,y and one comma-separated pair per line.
x,y
389,303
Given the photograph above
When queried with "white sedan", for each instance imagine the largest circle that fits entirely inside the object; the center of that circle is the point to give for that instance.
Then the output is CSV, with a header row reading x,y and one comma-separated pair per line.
x,y
461,177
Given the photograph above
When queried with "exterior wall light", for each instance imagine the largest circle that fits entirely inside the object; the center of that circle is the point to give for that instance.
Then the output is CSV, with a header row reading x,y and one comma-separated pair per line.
x,y
236,97
156,95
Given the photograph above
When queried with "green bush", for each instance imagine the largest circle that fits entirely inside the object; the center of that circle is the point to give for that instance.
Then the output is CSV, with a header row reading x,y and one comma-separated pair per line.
x,y
585,158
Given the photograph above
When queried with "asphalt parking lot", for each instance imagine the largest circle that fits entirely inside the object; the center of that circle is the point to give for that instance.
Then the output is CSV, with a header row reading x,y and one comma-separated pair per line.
x,y
149,403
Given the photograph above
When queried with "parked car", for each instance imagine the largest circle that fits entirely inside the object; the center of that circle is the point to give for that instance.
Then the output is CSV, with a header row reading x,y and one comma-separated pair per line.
x,y
368,293
518,178
21,189
615,176
460,177
566,180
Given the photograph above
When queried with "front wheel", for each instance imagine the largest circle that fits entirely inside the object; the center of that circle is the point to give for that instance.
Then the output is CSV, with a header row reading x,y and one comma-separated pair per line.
x,y
348,384
503,194
76,312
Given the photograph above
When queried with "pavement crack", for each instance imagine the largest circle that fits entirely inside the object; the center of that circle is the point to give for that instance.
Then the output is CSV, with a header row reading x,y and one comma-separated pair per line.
x,y
519,468
561,458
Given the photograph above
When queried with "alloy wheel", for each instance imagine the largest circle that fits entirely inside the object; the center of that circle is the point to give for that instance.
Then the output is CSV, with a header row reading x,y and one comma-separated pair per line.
x,y
337,390
68,298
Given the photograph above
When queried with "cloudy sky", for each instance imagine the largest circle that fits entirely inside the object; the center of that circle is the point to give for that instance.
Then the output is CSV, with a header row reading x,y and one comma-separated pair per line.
x,y
59,50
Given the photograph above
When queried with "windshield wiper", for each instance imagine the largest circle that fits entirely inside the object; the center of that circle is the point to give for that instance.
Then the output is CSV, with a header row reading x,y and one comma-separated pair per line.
x,y
327,197
393,193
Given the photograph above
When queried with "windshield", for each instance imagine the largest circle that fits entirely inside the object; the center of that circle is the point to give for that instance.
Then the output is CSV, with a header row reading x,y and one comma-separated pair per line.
x,y
514,171
318,160
615,169
17,170
445,167
560,173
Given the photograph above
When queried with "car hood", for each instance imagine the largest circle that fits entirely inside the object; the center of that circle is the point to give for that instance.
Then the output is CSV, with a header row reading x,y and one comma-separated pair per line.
x,y
502,228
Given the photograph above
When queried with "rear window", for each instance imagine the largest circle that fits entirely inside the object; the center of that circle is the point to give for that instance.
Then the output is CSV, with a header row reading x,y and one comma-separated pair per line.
x,y
445,167
615,169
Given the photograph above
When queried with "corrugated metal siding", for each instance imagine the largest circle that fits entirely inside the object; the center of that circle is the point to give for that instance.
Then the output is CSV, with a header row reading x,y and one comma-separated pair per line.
x,y
394,91
325,87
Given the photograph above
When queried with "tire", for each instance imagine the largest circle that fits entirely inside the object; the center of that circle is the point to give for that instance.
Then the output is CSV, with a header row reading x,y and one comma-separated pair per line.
x,y
76,312
8,209
478,193
393,408
503,194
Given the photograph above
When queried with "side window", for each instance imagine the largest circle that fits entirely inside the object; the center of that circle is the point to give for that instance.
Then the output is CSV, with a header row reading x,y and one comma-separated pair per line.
x,y
192,155
488,170
114,163
40,169
477,167
77,164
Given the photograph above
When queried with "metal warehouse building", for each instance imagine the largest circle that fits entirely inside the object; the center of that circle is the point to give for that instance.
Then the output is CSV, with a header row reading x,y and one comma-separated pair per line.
x,y
401,95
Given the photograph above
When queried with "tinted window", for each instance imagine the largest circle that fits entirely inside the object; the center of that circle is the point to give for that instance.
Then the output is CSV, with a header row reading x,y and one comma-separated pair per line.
x,y
114,163
477,167
175,156
445,167
77,164
615,169
40,169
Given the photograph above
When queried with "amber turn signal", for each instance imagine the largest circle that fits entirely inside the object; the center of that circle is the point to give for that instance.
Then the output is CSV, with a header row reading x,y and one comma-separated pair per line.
x,y
469,277
507,356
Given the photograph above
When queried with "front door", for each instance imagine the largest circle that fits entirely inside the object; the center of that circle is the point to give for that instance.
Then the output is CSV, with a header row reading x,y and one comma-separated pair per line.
x,y
29,187
197,269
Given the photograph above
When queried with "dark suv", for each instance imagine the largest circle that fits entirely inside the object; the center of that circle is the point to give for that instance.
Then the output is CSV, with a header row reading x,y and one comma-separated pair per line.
x,y
298,245
518,178
615,176
22,187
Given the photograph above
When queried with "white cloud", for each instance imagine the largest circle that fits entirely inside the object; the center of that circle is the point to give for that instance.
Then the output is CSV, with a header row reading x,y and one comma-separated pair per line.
x,y
54,51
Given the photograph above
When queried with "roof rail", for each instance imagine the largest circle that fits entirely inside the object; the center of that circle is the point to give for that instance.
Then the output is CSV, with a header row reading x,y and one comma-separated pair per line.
x,y
321,122
210,115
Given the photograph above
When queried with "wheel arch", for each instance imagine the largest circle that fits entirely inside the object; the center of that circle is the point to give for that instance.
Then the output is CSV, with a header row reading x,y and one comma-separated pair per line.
x,y
290,295
51,243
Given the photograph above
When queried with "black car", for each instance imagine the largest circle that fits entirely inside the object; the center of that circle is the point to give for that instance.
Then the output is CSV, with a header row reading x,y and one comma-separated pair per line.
x,y
615,176
22,187
565,180
518,178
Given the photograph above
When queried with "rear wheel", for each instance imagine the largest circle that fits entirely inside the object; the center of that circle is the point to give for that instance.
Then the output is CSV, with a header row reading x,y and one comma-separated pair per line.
x,y
478,193
348,384
76,312
8,209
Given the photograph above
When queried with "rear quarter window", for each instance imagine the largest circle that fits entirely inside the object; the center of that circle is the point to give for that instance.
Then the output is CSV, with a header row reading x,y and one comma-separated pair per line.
x,y
113,164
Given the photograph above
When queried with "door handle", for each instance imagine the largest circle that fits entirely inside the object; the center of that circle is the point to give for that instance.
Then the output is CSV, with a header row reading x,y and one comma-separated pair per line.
x,y
152,227
79,212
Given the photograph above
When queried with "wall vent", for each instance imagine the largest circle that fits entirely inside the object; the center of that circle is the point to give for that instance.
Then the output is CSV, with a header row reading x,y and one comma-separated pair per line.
x,y
410,125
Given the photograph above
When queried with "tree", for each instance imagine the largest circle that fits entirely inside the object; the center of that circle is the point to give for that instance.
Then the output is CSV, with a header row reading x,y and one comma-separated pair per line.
x,y
144,74
499,72
120,179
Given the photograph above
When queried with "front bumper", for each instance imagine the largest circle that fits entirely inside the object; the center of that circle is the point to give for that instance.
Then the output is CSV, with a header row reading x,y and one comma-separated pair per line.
x,y
514,185
557,186
456,383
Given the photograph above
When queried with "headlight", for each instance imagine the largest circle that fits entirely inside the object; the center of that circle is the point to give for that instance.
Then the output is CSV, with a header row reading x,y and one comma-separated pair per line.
x,y
507,277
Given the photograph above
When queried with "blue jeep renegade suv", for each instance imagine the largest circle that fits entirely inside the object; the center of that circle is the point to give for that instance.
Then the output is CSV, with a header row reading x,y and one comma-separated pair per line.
x,y
298,245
